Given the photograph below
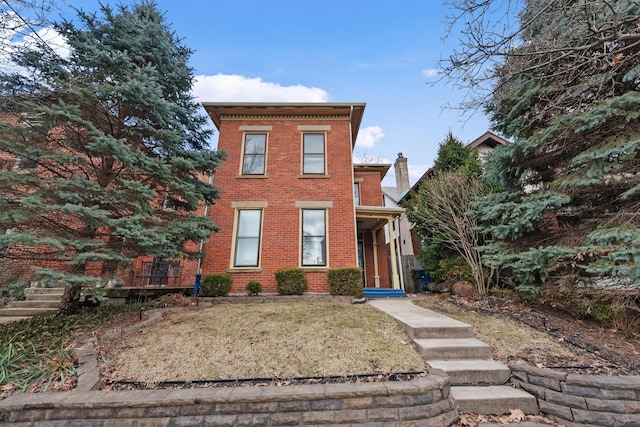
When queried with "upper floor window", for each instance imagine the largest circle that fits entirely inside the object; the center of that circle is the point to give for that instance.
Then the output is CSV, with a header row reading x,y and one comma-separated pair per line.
x,y
247,242
255,149
356,193
28,163
314,237
313,153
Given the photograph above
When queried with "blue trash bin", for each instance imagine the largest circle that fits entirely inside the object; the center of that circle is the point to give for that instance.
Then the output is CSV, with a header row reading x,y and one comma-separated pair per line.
x,y
420,279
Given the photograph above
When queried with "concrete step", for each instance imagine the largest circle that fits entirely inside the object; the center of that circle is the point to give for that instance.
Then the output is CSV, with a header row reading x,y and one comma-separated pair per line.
x,y
9,319
473,371
420,322
493,400
35,304
19,312
453,349
440,331
44,297
46,291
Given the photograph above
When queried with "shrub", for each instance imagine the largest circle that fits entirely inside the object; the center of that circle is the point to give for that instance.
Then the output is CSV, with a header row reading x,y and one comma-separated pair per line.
x,y
291,281
253,288
346,281
12,292
215,285
455,268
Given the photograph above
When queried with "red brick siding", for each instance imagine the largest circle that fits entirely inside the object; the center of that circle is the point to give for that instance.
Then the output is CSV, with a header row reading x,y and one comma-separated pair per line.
x,y
281,189
370,189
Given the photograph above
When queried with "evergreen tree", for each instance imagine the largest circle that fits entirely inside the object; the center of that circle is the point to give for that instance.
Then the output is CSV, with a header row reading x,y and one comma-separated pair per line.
x,y
568,93
110,149
453,156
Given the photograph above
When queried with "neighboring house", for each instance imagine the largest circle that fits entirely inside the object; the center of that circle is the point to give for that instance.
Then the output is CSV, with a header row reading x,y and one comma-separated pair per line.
x,y
291,196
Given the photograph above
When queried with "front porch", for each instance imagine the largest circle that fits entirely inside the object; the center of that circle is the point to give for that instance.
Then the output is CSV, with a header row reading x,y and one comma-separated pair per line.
x,y
380,264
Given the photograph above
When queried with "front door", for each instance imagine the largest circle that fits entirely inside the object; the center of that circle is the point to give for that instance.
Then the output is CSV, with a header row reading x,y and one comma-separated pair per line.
x,y
361,263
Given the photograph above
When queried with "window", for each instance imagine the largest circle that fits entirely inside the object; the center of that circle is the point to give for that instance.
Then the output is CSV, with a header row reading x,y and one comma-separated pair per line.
x,y
314,237
313,157
172,201
255,145
169,203
247,250
356,193
28,163
4,245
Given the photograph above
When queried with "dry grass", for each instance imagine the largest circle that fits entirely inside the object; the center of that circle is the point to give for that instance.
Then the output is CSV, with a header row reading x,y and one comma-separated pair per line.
x,y
509,340
284,340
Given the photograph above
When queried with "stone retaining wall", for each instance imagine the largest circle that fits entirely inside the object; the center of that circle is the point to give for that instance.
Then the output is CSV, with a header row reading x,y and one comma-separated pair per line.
x,y
582,400
421,402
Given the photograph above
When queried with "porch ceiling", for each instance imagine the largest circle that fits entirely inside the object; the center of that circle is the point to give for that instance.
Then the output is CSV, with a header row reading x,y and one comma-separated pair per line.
x,y
374,217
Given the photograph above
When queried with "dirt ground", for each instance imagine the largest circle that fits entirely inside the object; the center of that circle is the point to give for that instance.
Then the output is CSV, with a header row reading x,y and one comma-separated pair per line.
x,y
594,348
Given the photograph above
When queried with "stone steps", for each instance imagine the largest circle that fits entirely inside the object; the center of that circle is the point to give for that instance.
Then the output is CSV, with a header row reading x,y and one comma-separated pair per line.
x,y
21,312
448,345
44,297
474,399
452,348
38,301
44,291
441,331
36,304
473,371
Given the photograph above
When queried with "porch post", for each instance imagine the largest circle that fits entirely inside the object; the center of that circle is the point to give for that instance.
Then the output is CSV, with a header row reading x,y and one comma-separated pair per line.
x,y
395,279
376,273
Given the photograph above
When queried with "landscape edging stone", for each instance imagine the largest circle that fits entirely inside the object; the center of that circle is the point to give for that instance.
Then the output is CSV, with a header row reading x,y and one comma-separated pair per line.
x,y
573,399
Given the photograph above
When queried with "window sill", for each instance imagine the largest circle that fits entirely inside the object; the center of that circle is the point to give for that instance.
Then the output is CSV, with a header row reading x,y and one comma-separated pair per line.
x,y
244,270
312,176
252,176
318,269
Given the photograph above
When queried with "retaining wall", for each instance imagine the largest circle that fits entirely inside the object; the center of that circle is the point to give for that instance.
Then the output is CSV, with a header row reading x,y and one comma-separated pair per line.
x,y
421,402
582,400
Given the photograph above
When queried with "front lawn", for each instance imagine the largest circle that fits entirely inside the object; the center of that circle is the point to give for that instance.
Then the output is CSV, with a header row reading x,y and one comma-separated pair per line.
x,y
285,339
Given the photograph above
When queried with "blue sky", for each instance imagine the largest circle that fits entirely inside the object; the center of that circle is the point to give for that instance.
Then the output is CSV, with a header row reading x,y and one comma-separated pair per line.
x,y
379,52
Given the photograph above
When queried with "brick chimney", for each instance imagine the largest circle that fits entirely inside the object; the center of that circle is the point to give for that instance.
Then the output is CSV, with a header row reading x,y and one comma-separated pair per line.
x,y
402,173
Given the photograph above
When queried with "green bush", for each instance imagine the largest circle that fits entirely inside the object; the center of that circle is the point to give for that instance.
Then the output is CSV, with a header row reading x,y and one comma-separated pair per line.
x,y
291,281
253,288
12,292
430,257
346,281
215,285
456,269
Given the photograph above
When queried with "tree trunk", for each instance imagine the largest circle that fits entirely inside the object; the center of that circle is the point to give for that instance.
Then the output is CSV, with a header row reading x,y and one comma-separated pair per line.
x,y
70,302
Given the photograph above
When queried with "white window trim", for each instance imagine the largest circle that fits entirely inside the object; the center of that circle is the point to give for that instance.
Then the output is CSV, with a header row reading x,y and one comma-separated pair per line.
x,y
326,233
244,206
266,151
326,169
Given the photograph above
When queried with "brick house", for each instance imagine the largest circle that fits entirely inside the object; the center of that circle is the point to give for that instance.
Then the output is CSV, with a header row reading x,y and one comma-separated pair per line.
x,y
292,197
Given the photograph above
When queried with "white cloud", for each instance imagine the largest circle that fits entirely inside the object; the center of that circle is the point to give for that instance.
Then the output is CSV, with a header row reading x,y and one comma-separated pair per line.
x,y
431,72
416,171
53,39
236,88
14,37
369,136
